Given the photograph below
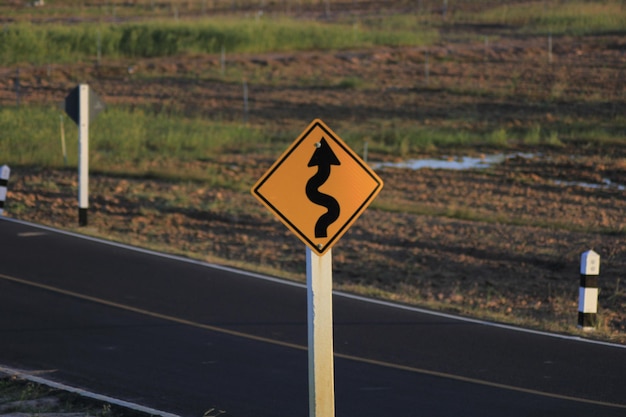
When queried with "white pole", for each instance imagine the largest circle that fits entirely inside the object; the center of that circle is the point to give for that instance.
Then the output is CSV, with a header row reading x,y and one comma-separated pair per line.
x,y
5,171
320,329
83,153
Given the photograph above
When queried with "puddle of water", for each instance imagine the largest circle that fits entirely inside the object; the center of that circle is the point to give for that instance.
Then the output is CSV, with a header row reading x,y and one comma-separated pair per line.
x,y
606,184
464,163
461,163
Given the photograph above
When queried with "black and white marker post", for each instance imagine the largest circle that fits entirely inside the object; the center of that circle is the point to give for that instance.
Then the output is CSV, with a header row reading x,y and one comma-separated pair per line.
x,y
83,153
82,105
5,171
588,293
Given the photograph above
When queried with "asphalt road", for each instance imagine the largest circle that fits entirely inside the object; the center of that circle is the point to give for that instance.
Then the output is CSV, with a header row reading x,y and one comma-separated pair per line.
x,y
186,337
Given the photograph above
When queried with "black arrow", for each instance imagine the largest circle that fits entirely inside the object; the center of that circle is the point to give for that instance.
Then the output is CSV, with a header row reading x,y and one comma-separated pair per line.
x,y
323,158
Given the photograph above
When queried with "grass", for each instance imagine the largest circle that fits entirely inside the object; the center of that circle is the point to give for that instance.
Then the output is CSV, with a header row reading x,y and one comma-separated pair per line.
x,y
575,18
56,43
122,140
140,142
25,42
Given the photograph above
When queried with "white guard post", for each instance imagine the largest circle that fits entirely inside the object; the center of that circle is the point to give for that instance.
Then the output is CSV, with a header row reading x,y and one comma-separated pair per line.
x,y
5,171
320,329
83,153
588,292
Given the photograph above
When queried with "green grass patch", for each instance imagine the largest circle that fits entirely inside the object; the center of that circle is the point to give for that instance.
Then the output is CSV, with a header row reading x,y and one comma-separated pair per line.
x,y
402,139
31,136
568,18
169,144
121,134
55,43
123,140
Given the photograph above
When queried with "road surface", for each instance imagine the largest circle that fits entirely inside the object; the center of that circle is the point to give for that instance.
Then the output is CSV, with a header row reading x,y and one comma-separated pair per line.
x,y
187,337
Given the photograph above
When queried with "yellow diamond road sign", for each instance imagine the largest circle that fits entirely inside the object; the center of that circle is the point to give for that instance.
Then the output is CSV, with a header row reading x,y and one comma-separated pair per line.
x,y
318,187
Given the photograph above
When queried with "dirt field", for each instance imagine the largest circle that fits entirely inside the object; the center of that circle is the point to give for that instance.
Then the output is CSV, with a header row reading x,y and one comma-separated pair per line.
x,y
502,242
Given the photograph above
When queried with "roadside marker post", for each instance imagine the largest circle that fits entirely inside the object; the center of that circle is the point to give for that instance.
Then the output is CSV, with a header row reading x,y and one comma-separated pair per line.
x,y
82,105
317,188
588,291
5,172
83,154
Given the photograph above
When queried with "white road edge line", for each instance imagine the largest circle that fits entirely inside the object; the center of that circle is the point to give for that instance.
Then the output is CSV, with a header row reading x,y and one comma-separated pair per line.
x,y
83,393
301,285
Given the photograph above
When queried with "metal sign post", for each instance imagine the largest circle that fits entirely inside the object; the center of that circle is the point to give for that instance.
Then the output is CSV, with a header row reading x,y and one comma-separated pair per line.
x,y
320,328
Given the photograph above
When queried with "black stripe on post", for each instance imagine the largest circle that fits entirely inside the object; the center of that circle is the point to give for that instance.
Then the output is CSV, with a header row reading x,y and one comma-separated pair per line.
x,y
589,281
587,320
4,182
82,217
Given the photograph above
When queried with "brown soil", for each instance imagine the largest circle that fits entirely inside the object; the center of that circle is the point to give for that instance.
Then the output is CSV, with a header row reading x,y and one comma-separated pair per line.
x,y
503,243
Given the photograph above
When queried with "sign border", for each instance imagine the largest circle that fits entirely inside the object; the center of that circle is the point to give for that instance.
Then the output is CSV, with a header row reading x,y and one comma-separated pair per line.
x,y
344,228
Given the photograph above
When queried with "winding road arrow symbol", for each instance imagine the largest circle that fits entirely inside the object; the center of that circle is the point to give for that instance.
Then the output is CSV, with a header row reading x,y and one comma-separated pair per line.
x,y
323,158
318,187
